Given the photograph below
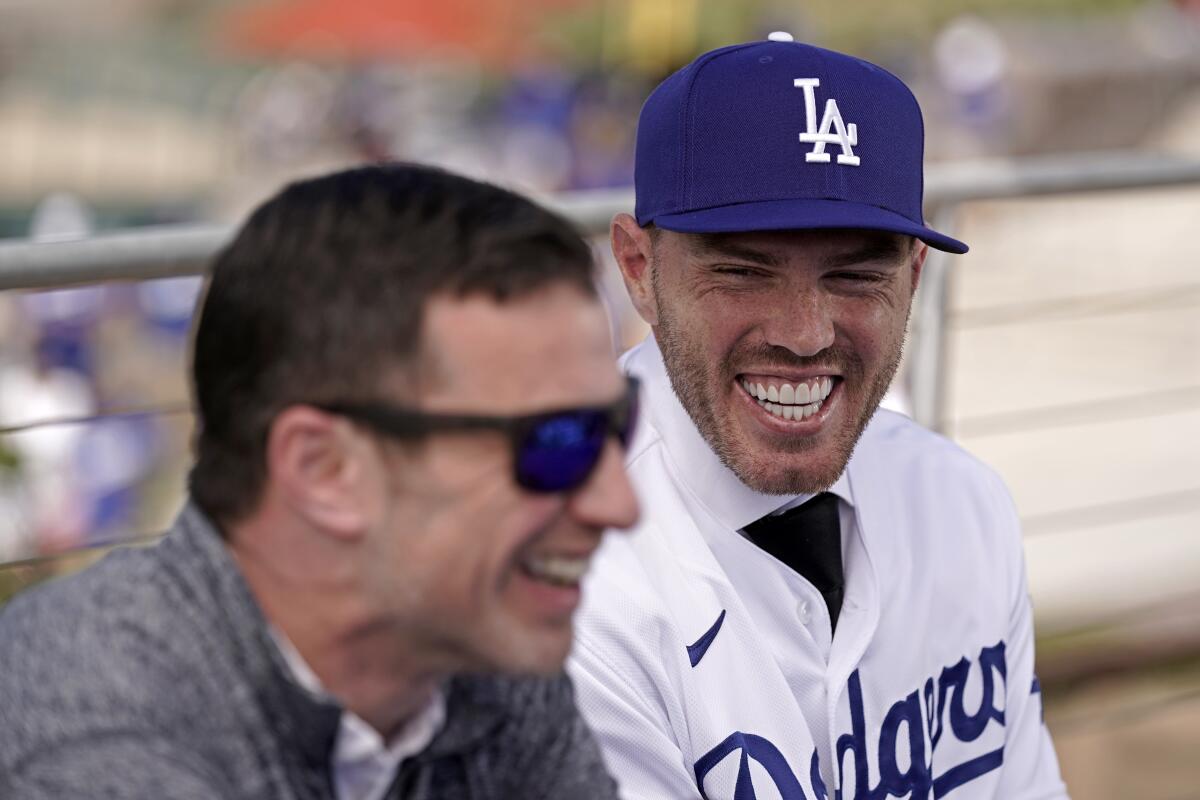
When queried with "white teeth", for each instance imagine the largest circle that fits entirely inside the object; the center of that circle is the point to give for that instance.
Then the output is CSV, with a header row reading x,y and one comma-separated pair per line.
x,y
791,412
562,570
799,401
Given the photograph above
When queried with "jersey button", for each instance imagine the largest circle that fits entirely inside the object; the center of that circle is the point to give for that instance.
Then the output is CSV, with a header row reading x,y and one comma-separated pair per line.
x,y
803,613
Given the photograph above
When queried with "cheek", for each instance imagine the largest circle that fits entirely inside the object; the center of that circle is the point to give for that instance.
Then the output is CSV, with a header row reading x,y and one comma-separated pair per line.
x,y
714,328
473,543
872,328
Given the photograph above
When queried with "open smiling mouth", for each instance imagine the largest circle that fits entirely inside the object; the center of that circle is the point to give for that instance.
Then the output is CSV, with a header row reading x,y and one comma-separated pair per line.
x,y
790,401
557,570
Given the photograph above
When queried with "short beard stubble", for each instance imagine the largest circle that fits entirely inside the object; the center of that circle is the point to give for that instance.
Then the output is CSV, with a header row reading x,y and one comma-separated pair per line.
x,y
695,381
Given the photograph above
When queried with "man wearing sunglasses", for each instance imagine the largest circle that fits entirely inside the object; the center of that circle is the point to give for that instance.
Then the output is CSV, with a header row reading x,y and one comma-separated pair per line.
x,y
410,439
822,599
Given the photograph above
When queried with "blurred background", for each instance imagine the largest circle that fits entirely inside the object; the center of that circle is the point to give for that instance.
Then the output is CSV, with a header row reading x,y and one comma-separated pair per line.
x,y
1064,349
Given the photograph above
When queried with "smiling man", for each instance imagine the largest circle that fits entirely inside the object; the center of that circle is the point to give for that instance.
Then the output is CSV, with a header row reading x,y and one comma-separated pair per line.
x,y
822,599
410,429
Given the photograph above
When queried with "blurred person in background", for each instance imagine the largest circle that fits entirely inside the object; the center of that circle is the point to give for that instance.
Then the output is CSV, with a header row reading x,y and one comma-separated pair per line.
x,y
822,599
43,390
50,377
410,429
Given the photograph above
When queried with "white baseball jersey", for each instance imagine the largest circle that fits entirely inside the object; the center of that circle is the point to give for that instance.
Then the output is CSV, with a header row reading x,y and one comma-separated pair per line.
x,y
707,668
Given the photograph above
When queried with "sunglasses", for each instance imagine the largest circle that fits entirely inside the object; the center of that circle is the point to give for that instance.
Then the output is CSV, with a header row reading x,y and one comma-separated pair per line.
x,y
553,451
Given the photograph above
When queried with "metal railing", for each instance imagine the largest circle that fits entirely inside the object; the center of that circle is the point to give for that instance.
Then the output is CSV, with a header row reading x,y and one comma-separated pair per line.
x,y
166,251
170,251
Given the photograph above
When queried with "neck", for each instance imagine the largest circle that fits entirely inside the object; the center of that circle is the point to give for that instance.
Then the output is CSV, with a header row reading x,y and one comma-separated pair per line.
x,y
365,673
360,658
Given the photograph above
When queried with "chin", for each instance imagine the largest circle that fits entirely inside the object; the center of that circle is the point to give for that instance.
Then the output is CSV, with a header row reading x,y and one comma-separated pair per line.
x,y
538,664
802,465
799,473
534,655
790,481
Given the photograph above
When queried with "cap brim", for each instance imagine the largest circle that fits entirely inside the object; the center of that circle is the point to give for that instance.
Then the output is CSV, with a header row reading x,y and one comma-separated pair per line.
x,y
802,214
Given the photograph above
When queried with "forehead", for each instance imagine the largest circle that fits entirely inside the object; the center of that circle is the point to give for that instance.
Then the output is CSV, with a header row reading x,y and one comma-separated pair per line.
x,y
780,246
552,347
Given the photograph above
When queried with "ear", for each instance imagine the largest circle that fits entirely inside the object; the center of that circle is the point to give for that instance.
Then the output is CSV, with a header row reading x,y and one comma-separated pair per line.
x,y
318,467
920,252
632,249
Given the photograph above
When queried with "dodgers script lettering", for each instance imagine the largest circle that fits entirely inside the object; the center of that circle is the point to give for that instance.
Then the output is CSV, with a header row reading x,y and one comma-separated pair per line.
x,y
910,733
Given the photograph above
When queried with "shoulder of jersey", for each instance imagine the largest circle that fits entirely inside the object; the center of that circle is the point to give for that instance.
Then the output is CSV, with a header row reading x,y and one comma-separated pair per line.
x,y
931,477
918,452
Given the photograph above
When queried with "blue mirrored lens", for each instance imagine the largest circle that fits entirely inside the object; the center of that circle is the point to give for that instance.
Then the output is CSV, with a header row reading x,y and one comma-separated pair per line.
x,y
560,451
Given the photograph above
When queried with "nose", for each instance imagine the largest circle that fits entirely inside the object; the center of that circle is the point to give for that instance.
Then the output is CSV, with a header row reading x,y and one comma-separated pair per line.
x,y
803,323
606,500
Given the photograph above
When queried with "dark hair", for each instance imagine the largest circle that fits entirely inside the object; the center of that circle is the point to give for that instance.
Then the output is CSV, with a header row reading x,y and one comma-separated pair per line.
x,y
321,294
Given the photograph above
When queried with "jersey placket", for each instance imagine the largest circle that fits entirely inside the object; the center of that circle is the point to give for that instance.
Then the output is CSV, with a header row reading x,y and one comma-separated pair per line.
x,y
776,598
856,626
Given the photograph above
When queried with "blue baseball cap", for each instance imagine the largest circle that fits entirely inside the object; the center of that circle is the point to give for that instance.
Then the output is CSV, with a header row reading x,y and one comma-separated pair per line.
x,y
779,135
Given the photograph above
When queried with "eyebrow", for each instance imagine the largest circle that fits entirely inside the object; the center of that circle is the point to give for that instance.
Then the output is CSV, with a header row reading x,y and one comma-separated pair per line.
x,y
720,245
877,250
715,244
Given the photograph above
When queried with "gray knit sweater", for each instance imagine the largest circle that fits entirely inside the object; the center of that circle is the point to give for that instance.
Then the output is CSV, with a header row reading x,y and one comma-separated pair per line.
x,y
152,675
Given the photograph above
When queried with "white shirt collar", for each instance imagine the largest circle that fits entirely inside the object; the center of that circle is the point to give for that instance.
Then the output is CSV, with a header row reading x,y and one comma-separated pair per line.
x,y
734,504
363,763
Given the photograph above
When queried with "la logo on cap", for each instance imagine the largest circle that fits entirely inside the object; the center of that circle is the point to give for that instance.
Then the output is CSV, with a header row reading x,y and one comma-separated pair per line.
x,y
833,129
